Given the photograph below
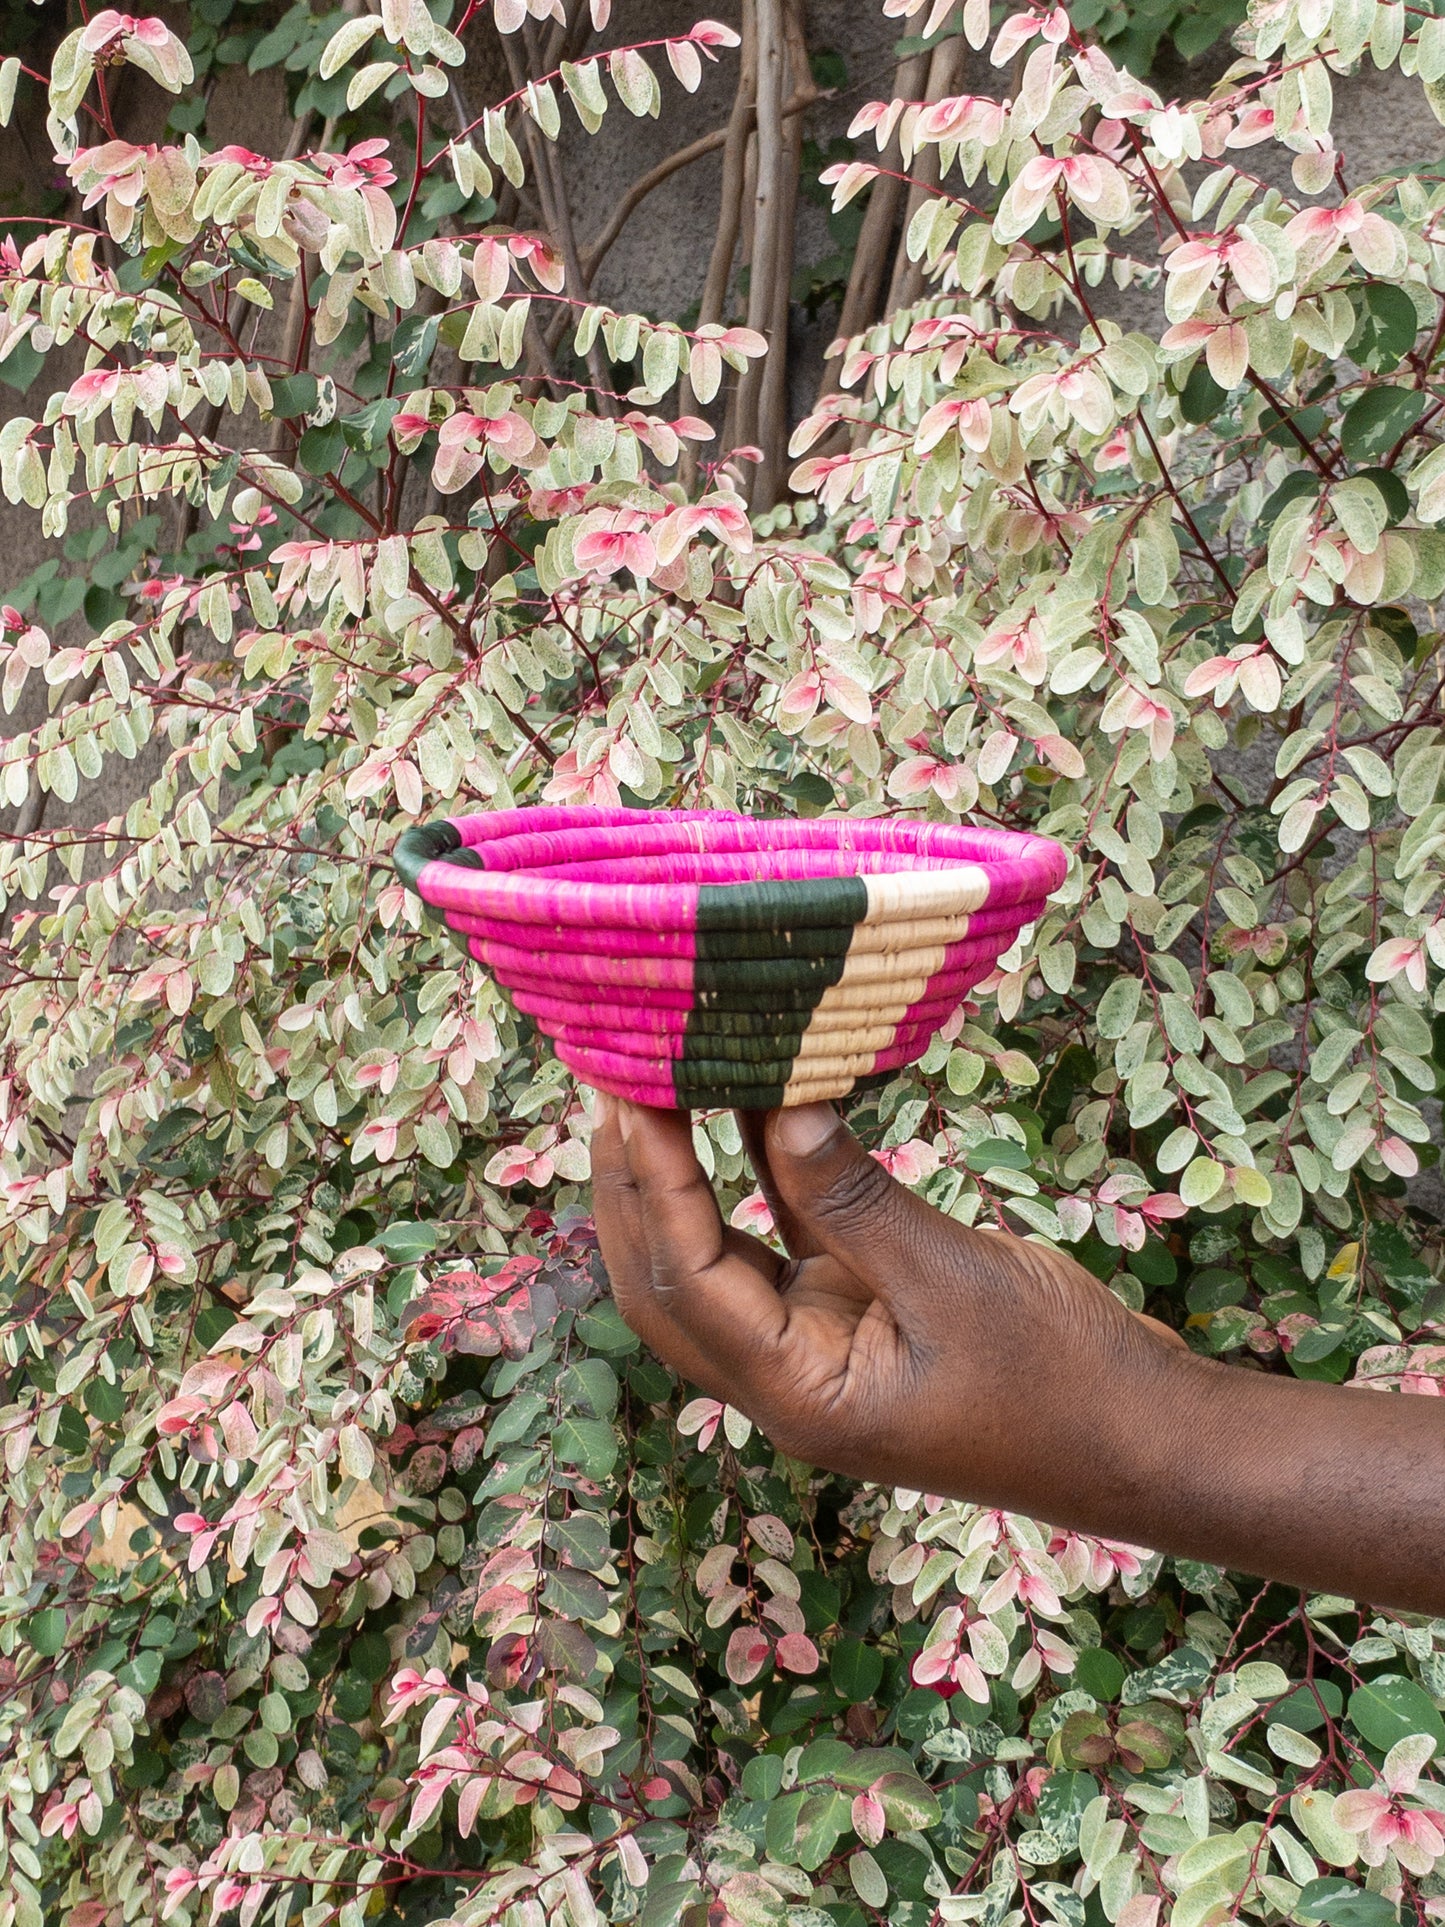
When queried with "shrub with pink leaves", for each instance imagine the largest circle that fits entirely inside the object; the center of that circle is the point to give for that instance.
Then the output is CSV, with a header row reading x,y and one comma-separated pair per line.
x,y
358,1565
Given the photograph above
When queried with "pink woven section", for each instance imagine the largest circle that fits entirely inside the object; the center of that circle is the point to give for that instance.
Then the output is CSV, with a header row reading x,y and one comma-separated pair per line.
x,y
604,942
760,866
964,965
569,1024
533,968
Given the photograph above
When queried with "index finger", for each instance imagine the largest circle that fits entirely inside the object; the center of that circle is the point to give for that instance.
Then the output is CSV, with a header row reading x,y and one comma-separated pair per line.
x,y
626,1253
717,1287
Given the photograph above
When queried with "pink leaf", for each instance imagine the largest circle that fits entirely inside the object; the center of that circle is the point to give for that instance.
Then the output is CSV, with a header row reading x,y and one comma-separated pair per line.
x,y
746,1655
797,1653
868,1819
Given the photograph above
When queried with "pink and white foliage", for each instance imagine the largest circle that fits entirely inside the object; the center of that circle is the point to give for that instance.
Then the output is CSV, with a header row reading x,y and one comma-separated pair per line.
x,y
1395,1817
297,1195
146,43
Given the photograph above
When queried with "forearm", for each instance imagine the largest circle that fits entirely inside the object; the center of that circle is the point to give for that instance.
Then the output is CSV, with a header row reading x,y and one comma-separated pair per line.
x,y
1318,1485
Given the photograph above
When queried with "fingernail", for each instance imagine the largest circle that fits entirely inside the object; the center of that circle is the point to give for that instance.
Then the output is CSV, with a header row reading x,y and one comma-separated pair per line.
x,y
624,1118
604,1109
805,1129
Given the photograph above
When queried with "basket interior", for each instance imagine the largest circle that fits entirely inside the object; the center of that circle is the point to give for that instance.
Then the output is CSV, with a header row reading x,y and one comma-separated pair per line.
x,y
707,849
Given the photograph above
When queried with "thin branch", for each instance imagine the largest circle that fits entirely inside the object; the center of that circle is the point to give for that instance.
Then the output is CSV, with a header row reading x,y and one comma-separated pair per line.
x,y
772,424
730,207
767,211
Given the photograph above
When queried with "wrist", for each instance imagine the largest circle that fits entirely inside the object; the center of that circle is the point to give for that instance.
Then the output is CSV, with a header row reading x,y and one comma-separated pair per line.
x,y
1093,1422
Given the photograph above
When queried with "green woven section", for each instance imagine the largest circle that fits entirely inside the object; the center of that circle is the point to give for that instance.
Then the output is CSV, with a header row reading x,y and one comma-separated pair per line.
x,y
807,977
732,1056
749,1000
702,1090
757,946
792,906
728,1027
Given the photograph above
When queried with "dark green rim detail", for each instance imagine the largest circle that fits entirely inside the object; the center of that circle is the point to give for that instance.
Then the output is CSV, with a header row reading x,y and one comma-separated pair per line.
x,y
422,844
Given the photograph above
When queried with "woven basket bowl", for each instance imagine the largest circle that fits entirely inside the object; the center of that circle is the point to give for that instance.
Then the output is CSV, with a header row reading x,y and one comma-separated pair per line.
x,y
699,960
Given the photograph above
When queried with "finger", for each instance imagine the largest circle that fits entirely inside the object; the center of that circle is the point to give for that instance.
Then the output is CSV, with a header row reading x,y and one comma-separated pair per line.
x,y
797,1239
615,1208
901,1248
716,1288
622,1234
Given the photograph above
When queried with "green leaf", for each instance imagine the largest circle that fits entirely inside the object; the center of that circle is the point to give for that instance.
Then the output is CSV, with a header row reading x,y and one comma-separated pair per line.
x,y
293,395
856,1670
907,1801
763,1776
1386,329
1099,1672
810,793
20,367
352,1698
588,1443
143,1672
413,345
1202,1179
1391,1708
370,1656
822,1820
46,1631
1378,420
998,1154
1396,498
71,1431
591,1384
1302,1710
1118,1007
369,427
1201,399
1339,1903
154,259
406,1240
575,1595
1387,1252
103,1400
1300,482
582,1538
1318,1342
322,449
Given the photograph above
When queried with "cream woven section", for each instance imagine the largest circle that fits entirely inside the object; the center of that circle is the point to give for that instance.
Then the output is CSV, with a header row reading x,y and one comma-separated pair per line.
x,y
898,946
926,893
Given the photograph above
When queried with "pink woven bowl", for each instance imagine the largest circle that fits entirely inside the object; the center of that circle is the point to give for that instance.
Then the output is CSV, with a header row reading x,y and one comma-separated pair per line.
x,y
693,959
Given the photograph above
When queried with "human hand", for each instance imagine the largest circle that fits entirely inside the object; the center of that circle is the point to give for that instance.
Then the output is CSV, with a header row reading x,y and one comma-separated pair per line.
x,y
891,1343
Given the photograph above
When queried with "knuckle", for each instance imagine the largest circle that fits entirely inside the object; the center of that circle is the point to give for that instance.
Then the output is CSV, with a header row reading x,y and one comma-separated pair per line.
x,y
860,1196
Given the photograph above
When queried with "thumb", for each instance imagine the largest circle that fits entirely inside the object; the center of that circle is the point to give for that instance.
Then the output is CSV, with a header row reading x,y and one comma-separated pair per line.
x,y
900,1247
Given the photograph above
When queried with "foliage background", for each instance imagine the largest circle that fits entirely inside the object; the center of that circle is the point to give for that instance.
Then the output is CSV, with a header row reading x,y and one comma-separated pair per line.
x,y
357,1565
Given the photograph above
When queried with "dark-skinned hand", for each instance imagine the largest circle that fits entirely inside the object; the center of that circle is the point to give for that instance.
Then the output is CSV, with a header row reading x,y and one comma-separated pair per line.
x,y
893,1344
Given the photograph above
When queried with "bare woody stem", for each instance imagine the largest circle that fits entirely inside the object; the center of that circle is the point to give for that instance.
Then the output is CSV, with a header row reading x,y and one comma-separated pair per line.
x,y
730,205
768,209
772,425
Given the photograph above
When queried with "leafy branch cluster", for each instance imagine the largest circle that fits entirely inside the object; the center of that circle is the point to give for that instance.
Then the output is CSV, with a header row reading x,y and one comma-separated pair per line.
x,y
357,1564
